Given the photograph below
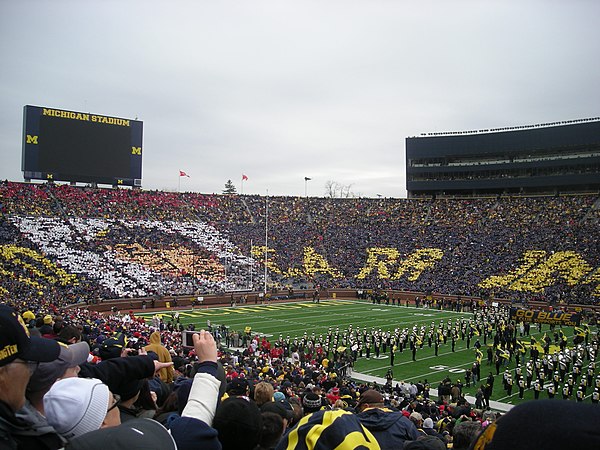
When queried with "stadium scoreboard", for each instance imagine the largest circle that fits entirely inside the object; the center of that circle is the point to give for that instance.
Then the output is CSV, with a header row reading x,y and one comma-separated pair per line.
x,y
61,145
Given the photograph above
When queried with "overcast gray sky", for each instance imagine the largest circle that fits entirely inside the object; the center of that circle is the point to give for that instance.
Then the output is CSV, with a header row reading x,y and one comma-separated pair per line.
x,y
281,90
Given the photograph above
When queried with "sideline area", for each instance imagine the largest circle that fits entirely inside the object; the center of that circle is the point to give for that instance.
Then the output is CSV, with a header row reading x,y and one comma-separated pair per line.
x,y
364,375
495,406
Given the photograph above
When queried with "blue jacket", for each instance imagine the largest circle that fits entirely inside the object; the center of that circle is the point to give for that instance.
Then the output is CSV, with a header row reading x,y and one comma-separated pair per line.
x,y
389,427
191,434
193,429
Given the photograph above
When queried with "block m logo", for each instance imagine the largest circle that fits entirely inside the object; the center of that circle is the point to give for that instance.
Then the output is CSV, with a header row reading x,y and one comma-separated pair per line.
x,y
31,139
538,270
136,150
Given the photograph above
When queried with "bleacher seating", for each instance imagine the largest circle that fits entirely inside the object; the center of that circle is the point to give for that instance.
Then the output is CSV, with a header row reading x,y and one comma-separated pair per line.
x,y
116,243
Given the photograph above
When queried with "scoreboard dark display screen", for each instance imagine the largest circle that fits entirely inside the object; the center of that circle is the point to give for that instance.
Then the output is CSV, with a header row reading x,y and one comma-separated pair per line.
x,y
62,145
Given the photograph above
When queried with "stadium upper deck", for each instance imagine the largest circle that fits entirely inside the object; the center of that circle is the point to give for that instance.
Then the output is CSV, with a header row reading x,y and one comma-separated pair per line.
x,y
545,158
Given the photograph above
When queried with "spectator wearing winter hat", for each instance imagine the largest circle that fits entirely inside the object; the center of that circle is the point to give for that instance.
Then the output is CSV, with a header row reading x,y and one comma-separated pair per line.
x,y
28,316
238,387
278,396
544,424
430,431
19,357
145,404
239,423
75,406
129,395
417,419
46,327
390,428
283,408
311,403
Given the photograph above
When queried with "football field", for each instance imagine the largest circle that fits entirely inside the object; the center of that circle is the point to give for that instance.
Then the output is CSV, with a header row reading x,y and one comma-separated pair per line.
x,y
296,319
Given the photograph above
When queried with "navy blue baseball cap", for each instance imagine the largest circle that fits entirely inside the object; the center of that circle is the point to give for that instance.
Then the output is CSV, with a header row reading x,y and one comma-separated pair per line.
x,y
15,341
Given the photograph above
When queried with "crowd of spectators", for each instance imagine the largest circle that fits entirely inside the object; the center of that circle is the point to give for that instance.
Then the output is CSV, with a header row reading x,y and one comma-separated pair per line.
x,y
128,243
117,374
121,379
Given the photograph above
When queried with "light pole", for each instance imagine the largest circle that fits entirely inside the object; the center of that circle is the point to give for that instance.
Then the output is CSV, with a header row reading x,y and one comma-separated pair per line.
x,y
306,180
266,237
250,265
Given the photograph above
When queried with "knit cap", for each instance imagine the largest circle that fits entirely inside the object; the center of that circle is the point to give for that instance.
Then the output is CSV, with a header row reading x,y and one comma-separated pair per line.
x,y
75,406
541,424
311,402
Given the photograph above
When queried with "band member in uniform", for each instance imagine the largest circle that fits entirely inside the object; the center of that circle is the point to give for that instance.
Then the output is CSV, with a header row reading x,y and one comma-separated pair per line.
x,y
551,391
521,383
537,388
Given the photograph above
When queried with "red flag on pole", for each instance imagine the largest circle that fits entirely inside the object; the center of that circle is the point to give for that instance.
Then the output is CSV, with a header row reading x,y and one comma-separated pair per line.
x,y
183,174
244,177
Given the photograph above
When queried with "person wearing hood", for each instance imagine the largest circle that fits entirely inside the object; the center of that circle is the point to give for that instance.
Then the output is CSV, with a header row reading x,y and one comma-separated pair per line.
x,y
390,428
165,374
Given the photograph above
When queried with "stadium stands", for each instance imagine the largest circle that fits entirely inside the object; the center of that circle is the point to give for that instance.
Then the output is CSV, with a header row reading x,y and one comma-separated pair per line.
x,y
61,245
124,243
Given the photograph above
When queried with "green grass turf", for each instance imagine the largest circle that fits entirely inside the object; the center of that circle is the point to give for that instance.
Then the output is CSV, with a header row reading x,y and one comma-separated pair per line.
x,y
295,319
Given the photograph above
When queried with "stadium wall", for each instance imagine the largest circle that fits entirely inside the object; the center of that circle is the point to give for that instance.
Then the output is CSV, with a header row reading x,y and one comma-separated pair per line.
x,y
253,298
